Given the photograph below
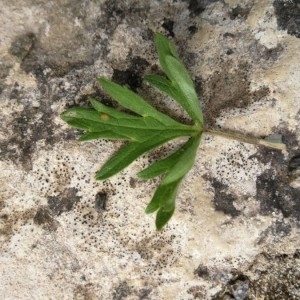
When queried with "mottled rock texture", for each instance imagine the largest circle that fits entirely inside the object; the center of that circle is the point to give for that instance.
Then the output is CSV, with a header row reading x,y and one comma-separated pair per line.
x,y
235,234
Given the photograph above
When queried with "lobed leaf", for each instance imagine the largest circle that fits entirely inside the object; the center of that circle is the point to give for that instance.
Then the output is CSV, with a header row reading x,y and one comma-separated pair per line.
x,y
166,86
180,87
164,201
184,161
164,196
184,87
185,153
147,129
164,47
130,152
176,166
112,124
134,102
162,84
101,108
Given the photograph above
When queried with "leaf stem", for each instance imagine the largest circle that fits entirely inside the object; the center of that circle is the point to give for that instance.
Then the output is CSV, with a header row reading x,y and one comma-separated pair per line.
x,y
245,139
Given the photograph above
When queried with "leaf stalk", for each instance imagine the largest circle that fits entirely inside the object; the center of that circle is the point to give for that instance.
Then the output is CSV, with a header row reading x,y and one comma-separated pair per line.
x,y
245,139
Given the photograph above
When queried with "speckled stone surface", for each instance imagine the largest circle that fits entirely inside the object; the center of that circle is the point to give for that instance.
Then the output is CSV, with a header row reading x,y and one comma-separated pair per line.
x,y
235,233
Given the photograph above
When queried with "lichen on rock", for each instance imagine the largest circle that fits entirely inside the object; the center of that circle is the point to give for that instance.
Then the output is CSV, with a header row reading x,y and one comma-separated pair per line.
x,y
236,230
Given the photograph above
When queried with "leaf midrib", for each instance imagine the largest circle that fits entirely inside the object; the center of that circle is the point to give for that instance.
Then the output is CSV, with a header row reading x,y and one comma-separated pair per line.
x,y
182,127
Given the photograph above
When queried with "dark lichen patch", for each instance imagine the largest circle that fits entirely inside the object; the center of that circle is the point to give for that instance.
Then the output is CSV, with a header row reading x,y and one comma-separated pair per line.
x,y
288,16
290,139
294,163
240,12
158,247
132,182
197,291
132,76
2,203
294,171
274,193
223,201
272,53
63,202
281,228
44,218
101,201
237,288
229,51
122,291
278,278
192,29
85,292
228,88
5,67
144,293
114,12
297,254
202,272
17,92
273,186
56,53
11,222
168,25
196,7
22,45
268,277
275,232
263,55
28,128
6,226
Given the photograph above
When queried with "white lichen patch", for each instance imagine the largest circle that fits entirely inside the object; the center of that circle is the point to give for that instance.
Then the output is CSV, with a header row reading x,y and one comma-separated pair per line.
x,y
197,233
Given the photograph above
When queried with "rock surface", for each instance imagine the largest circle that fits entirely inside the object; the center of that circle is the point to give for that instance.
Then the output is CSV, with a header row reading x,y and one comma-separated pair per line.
x,y
235,234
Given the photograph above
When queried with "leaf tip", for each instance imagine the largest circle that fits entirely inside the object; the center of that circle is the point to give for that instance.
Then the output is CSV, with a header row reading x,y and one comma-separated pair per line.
x,y
151,208
102,80
100,175
162,218
142,175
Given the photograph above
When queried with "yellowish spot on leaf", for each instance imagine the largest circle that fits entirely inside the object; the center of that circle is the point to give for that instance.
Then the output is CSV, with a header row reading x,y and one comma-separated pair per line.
x,y
104,117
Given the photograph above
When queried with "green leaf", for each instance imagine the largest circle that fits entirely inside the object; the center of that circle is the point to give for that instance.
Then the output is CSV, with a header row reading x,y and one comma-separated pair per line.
x,y
184,84
176,166
112,124
111,111
162,84
134,102
130,152
160,167
181,161
102,135
185,160
153,205
75,115
180,87
146,129
164,47
166,86
163,217
103,125
164,197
